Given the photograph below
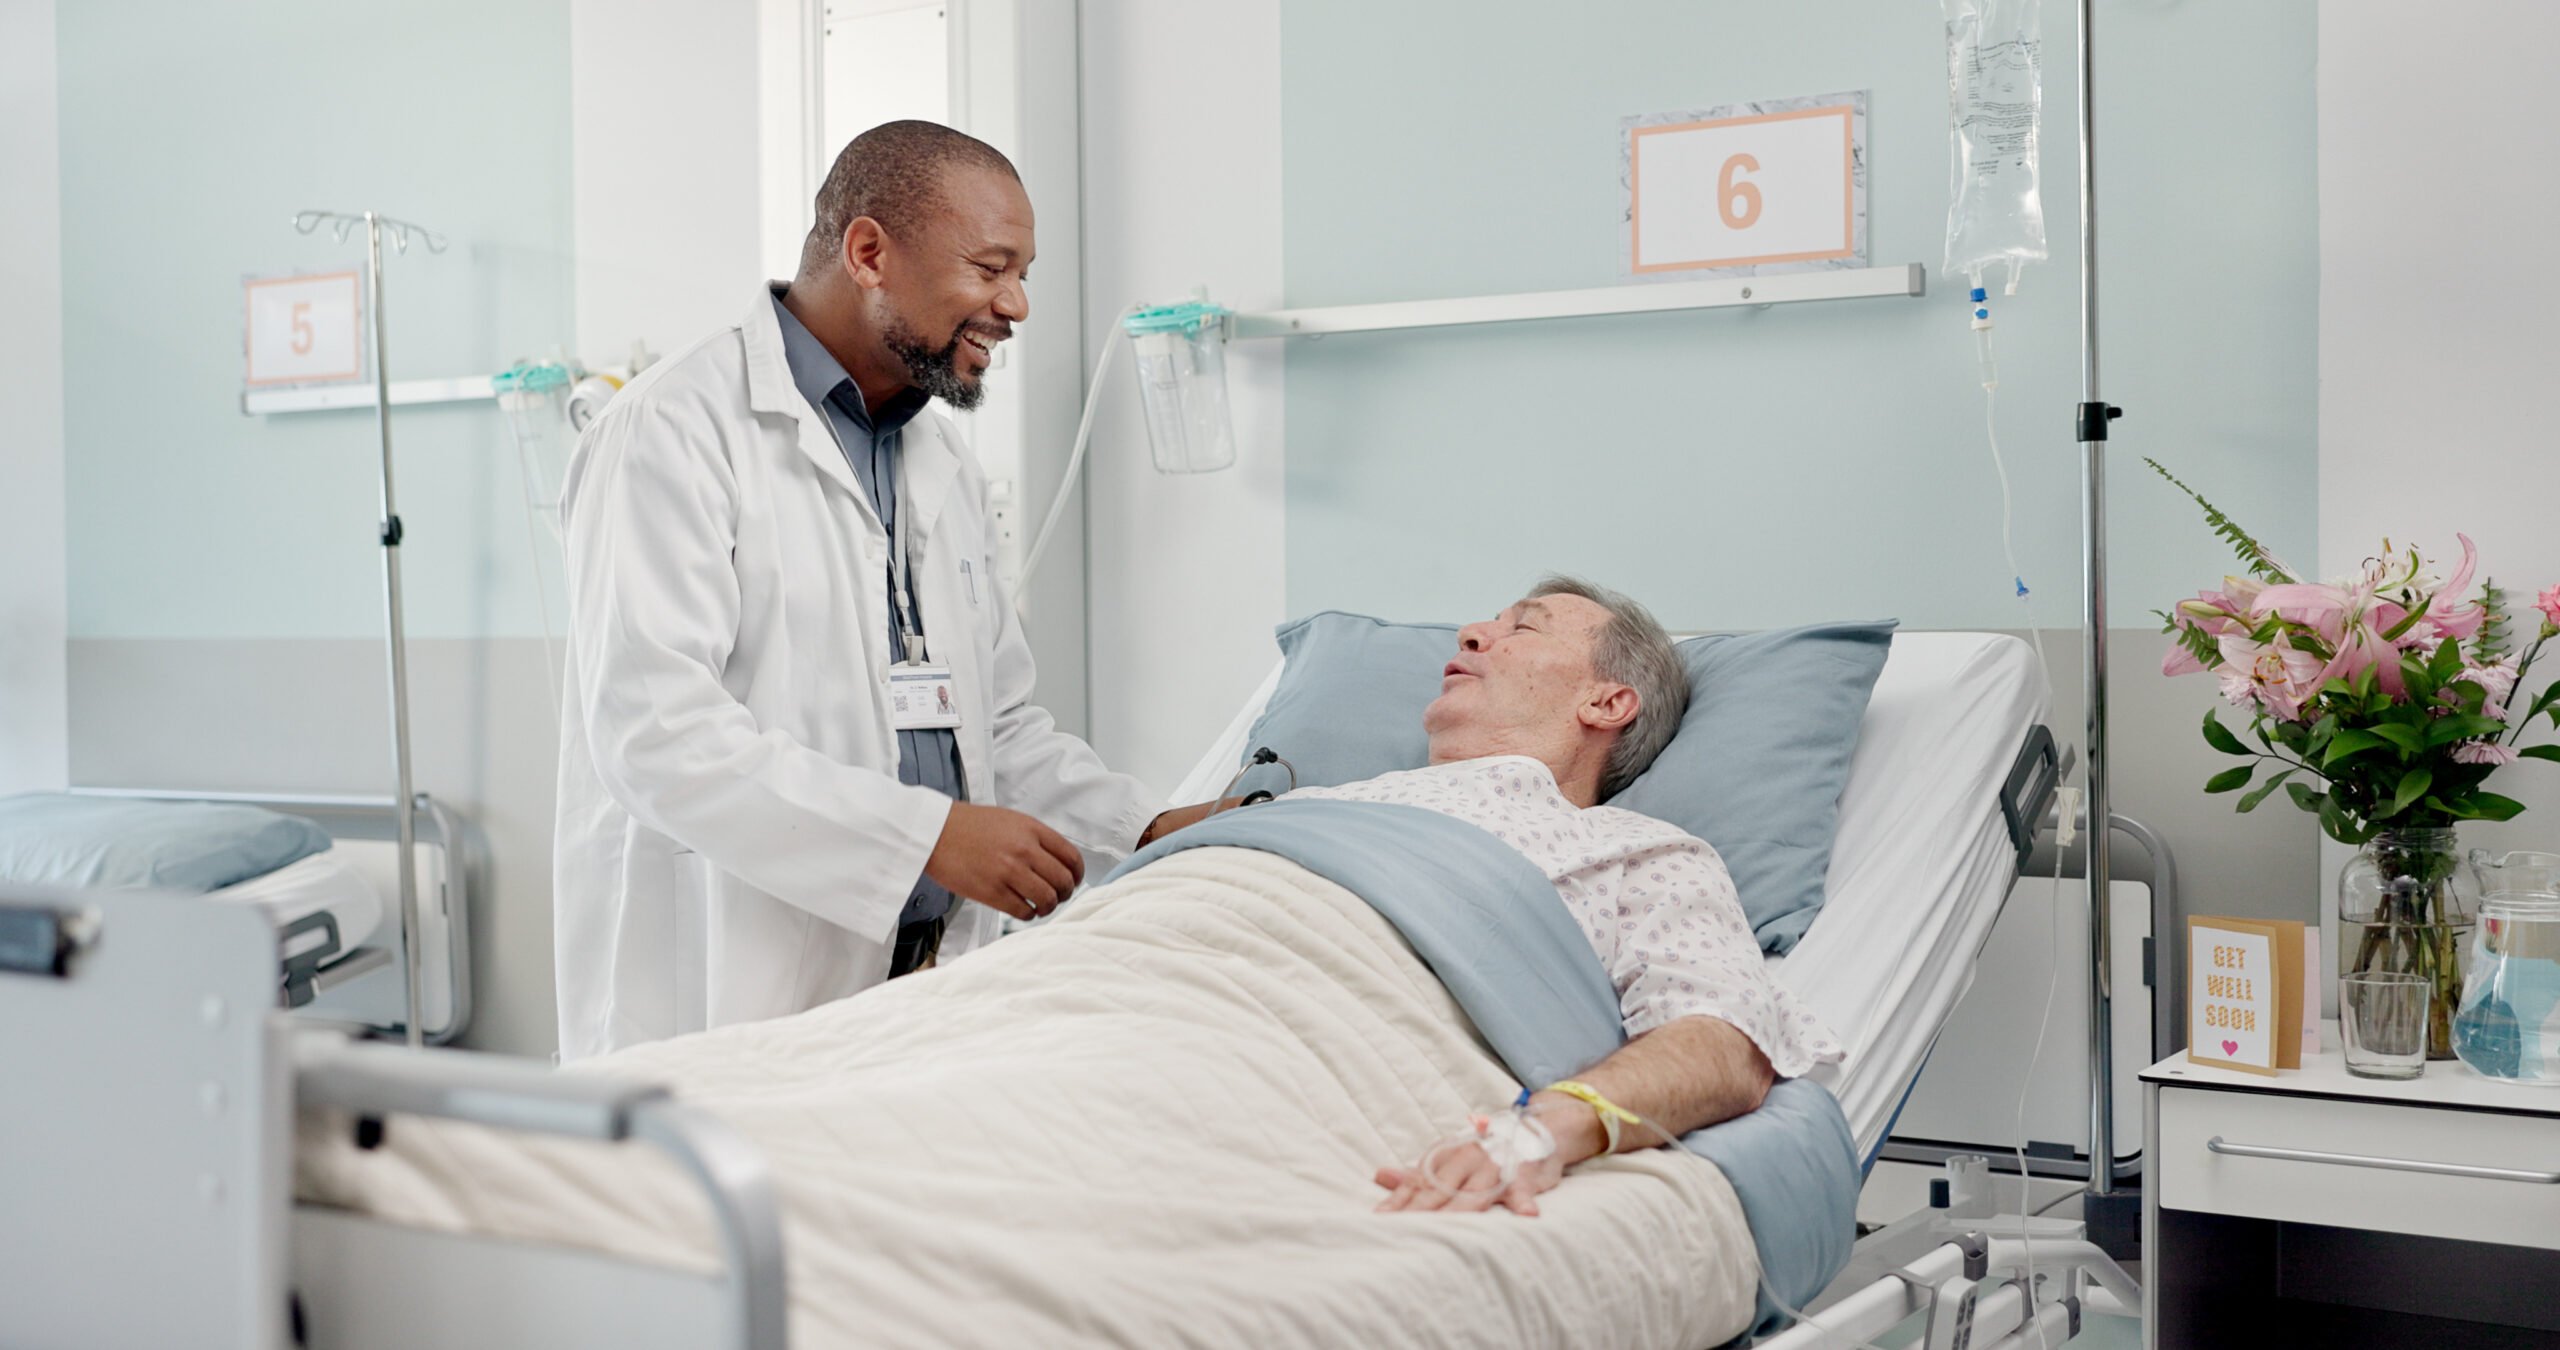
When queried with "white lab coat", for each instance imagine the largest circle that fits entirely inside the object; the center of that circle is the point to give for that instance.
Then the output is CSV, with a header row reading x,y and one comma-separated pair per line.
x,y
733,841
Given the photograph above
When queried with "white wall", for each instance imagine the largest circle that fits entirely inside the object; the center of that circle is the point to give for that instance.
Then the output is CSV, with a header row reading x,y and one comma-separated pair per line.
x,y
2439,183
33,618
666,198
1181,190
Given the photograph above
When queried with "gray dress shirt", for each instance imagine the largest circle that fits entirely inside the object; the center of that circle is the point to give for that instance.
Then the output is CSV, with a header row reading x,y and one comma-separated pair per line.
x,y
872,443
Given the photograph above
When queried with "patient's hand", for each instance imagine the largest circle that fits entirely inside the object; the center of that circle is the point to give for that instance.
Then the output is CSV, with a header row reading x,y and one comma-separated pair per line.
x,y
1181,816
1468,1182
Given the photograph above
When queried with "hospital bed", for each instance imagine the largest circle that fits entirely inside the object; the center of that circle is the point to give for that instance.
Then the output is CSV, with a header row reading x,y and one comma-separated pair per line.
x,y
340,950
1948,780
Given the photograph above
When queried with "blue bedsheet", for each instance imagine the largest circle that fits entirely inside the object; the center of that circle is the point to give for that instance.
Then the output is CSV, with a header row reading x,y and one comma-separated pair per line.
x,y
1495,932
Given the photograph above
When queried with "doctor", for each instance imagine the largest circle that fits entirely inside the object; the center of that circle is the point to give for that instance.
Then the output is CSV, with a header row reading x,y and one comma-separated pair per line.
x,y
799,736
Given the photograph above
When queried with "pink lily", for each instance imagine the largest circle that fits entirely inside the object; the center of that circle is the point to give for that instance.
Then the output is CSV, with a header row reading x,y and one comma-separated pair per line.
x,y
2341,619
2446,612
2279,676
2212,613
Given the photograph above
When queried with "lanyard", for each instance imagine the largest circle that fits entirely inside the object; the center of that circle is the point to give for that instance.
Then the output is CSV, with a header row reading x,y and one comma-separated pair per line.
x,y
901,575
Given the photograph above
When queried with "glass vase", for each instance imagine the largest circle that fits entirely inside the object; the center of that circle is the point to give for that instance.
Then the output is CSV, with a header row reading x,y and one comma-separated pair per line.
x,y
2405,905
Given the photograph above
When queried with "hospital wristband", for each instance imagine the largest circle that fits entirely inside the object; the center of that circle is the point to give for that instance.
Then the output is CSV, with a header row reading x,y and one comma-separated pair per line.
x,y
1611,1114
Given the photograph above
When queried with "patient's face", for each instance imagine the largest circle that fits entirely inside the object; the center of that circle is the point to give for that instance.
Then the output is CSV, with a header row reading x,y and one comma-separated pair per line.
x,y
1518,680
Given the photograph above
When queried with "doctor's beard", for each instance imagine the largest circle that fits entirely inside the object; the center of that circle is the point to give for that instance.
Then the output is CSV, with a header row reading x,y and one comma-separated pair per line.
x,y
937,373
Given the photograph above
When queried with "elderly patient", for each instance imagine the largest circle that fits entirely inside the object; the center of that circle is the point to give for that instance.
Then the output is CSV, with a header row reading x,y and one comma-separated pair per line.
x,y
1546,711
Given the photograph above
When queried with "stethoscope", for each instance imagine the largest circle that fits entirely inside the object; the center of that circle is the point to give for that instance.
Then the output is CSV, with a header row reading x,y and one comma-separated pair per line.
x,y
1261,756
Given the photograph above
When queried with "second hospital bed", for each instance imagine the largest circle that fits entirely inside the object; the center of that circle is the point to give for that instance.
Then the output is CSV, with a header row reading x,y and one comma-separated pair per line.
x,y
1927,847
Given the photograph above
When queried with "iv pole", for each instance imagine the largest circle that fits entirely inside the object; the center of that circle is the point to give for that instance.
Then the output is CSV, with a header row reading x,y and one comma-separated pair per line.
x,y
405,804
2092,429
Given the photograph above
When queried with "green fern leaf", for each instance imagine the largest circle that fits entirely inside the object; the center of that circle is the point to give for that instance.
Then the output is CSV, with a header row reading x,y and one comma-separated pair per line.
x,y
2492,643
2253,556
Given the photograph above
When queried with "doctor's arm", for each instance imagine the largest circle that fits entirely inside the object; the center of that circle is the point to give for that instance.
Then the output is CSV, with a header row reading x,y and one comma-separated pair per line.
x,y
1053,775
655,614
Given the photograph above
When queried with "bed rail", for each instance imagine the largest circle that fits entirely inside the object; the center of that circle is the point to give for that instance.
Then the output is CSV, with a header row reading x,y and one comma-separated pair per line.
x,y
372,1081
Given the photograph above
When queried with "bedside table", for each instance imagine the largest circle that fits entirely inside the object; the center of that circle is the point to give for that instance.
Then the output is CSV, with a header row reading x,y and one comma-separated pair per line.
x,y
2318,1208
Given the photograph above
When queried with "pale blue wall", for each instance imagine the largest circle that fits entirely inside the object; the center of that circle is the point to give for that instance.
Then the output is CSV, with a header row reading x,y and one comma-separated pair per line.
x,y
1751,468
190,134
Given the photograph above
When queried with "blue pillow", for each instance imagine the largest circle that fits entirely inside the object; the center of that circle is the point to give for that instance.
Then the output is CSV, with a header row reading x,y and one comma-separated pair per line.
x,y
1350,698
1760,759
129,843
1756,769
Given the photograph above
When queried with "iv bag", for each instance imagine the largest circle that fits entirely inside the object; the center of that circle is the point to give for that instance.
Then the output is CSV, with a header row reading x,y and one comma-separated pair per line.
x,y
1995,101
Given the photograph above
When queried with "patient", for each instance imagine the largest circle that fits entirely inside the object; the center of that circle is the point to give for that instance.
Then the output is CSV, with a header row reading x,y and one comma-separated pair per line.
x,y
1546,711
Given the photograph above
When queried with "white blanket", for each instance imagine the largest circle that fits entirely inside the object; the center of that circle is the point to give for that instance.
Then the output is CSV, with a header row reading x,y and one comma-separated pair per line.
x,y
1152,1121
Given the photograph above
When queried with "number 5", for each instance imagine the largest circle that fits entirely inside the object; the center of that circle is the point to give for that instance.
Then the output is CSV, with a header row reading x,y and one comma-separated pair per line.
x,y
1729,193
302,334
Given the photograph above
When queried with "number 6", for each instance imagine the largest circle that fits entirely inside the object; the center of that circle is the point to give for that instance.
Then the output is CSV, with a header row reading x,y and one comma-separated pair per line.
x,y
1729,192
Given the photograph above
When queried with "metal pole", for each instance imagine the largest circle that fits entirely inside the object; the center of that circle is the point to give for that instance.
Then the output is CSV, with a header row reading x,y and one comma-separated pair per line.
x,y
405,800
2093,480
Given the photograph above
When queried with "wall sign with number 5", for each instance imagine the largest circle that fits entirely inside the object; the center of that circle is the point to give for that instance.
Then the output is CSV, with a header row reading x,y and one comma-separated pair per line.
x,y
1774,186
306,329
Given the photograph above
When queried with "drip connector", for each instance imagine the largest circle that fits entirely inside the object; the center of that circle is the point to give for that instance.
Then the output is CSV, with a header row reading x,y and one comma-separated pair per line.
x,y
1982,338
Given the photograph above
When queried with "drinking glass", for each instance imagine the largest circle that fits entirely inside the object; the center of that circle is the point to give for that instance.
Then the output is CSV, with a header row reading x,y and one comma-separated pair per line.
x,y
2383,1015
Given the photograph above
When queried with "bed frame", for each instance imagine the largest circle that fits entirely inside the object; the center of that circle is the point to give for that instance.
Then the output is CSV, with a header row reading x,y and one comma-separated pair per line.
x,y
149,1126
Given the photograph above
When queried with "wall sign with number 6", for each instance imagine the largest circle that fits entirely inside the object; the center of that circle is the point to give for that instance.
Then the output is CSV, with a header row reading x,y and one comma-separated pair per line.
x,y
1774,186
1739,202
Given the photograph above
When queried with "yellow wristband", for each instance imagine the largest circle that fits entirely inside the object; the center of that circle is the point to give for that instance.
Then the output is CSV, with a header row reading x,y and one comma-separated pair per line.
x,y
1611,1114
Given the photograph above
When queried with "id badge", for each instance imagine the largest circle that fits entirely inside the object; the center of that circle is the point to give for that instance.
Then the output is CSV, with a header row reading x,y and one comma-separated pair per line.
x,y
923,698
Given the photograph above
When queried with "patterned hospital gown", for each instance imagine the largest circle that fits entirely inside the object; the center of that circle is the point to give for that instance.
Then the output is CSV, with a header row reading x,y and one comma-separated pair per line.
x,y
1655,901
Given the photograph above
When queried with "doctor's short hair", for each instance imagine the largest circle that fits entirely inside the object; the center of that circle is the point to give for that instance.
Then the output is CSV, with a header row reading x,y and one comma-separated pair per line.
x,y
1632,650
892,173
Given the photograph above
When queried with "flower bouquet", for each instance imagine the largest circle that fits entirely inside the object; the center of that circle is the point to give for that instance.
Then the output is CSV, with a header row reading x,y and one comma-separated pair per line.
x,y
2382,704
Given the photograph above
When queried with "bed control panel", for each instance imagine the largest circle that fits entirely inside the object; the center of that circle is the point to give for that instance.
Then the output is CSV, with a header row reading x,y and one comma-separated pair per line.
x,y
2032,780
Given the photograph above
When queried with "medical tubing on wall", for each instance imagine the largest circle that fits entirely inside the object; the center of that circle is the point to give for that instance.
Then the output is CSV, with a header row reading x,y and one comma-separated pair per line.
x,y
519,419
1075,460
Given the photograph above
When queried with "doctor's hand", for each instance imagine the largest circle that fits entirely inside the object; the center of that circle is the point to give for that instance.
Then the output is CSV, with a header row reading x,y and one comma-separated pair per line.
x,y
1004,860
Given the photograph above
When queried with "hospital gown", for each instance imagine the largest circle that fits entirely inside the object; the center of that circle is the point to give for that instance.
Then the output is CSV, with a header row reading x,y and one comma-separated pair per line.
x,y
1655,901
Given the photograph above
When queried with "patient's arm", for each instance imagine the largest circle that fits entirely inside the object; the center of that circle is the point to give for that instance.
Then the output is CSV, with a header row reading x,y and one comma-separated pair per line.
x,y
1684,1075
1180,816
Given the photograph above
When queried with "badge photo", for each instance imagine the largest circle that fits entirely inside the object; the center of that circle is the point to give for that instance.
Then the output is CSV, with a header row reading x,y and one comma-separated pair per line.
x,y
923,698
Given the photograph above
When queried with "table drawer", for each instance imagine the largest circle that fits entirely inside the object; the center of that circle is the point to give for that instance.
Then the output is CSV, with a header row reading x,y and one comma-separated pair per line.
x,y
2385,1191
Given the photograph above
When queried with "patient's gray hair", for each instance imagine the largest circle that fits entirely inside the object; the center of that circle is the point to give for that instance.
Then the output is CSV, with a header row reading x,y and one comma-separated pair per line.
x,y
1633,651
